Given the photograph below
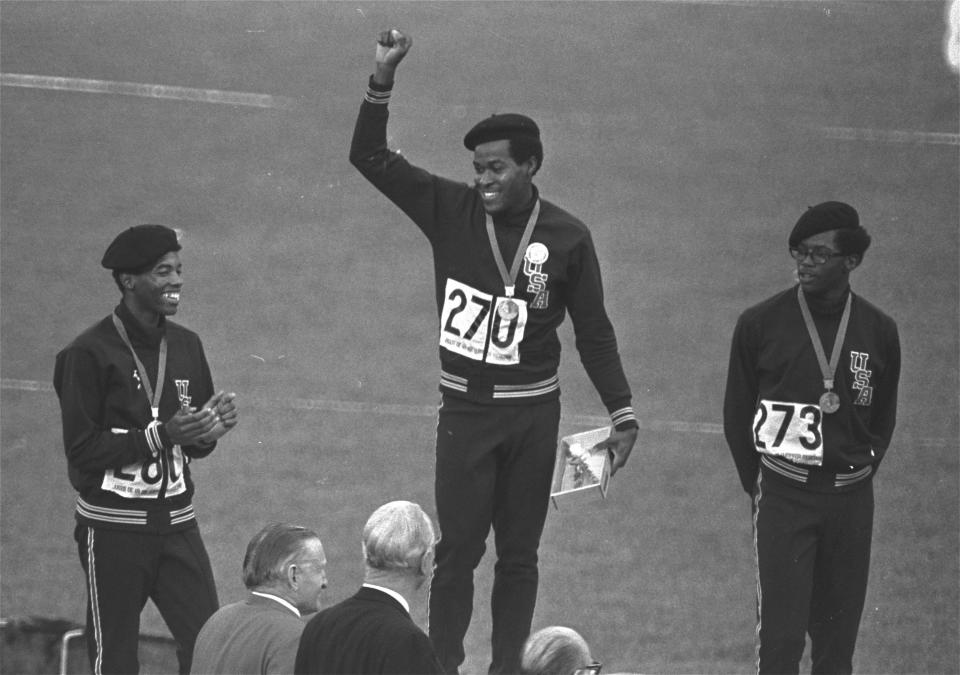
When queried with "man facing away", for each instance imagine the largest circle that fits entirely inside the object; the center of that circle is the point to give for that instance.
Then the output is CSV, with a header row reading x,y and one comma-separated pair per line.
x,y
138,405
285,571
508,266
809,412
372,632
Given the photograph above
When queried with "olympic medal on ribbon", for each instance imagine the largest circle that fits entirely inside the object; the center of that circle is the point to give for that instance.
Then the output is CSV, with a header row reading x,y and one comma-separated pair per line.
x,y
508,310
829,402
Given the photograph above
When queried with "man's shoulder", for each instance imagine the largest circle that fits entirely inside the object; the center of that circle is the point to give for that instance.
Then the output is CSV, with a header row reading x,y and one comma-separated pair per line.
x,y
559,216
773,303
174,328
869,308
181,335
366,602
332,612
230,611
253,609
92,337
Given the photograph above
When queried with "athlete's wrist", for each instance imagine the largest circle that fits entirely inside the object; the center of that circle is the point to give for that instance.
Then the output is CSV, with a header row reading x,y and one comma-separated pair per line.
x,y
157,438
382,78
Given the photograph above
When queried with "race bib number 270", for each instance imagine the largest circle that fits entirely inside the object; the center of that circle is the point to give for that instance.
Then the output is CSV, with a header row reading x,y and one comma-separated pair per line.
x,y
473,324
789,430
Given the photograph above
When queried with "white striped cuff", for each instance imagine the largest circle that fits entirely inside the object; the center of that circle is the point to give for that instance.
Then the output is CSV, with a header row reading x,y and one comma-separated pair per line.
x,y
152,433
377,97
623,415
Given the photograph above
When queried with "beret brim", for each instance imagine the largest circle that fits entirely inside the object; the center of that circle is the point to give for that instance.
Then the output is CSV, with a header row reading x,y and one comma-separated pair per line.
x,y
823,218
139,246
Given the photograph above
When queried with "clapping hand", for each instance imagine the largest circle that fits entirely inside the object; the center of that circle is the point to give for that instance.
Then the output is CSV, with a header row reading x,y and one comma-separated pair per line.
x,y
225,416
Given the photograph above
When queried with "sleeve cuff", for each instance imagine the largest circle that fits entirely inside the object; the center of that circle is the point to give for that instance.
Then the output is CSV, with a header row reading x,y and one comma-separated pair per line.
x,y
624,418
378,94
157,437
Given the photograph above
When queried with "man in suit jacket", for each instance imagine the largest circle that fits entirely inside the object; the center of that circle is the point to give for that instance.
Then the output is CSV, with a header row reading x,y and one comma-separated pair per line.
x,y
372,632
285,571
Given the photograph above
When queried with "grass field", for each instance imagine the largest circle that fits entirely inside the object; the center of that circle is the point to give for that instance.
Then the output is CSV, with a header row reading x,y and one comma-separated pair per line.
x,y
688,135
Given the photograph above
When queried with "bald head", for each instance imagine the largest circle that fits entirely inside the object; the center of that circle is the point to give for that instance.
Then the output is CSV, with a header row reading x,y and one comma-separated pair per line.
x,y
555,650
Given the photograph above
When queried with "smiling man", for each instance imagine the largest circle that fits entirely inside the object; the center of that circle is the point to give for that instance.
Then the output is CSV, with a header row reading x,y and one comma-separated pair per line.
x,y
508,266
137,404
809,412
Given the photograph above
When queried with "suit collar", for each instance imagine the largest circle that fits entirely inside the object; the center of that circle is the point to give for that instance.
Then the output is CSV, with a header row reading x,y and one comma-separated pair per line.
x,y
261,598
374,592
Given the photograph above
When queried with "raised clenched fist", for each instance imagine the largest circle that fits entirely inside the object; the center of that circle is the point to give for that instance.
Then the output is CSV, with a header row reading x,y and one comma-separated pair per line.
x,y
392,46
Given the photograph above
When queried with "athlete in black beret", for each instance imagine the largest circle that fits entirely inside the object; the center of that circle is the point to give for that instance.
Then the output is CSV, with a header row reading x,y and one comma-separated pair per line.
x,y
138,405
809,412
508,267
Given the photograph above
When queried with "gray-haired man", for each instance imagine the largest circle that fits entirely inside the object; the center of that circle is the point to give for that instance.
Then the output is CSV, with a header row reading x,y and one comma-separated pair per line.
x,y
372,632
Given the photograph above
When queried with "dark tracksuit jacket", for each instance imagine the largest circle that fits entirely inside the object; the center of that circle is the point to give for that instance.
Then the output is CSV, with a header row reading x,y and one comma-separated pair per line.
x,y
128,474
468,283
772,358
812,516
498,422
136,531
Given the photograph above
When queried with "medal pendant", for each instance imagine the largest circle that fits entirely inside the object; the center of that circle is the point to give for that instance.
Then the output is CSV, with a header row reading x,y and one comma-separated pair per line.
x,y
508,310
829,402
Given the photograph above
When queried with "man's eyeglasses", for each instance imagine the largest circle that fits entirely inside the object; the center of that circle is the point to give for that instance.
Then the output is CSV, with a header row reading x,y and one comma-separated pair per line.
x,y
591,669
818,254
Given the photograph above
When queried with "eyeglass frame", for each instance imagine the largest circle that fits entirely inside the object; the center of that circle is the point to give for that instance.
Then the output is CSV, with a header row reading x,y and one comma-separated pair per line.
x,y
592,668
817,254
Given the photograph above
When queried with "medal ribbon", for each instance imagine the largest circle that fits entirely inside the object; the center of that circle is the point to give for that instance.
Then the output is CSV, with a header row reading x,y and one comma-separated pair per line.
x,y
510,277
152,397
828,368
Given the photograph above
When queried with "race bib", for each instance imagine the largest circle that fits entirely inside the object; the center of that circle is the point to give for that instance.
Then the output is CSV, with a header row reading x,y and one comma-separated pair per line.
x,y
789,430
142,480
481,326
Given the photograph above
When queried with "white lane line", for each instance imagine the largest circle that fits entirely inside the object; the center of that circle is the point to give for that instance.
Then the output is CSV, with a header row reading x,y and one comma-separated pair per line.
x,y
403,410
891,136
161,91
407,410
25,385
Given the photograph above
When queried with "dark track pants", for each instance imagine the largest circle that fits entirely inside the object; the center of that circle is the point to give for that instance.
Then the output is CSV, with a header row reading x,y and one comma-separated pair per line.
x,y
123,569
813,560
494,468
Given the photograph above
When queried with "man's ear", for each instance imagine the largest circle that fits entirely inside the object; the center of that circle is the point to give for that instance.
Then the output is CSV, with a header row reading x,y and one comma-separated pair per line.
x,y
127,281
852,261
293,576
533,165
426,563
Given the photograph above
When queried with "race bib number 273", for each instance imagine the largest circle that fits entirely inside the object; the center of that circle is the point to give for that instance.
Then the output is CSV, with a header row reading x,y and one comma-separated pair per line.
x,y
473,325
789,430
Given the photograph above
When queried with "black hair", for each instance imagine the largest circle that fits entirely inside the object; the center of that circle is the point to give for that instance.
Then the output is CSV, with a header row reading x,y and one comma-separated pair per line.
x,y
852,241
142,270
523,147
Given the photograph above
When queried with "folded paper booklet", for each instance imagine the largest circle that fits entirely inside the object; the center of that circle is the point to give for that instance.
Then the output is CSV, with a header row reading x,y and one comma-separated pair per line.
x,y
580,474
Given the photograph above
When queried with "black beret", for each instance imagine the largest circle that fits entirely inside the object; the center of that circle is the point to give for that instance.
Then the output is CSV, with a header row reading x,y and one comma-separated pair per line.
x,y
499,127
139,246
822,218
